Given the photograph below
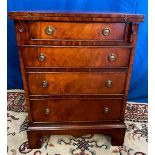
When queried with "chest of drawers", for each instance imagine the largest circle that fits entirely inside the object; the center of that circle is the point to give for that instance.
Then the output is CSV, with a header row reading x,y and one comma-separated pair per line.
x,y
76,71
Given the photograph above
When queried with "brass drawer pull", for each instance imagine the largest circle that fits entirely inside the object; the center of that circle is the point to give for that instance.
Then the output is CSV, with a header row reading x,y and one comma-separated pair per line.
x,y
106,110
21,29
112,57
44,84
47,111
42,57
106,31
108,83
49,30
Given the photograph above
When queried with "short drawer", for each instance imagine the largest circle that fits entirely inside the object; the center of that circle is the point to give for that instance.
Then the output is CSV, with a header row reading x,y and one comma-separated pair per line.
x,y
76,31
76,57
75,110
76,82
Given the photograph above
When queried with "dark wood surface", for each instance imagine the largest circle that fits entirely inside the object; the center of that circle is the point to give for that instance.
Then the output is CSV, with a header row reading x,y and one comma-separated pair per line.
x,y
76,57
76,67
76,83
37,131
76,110
77,31
76,16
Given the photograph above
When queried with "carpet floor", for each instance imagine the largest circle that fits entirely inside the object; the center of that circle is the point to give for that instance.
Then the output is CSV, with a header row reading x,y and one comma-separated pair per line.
x,y
136,139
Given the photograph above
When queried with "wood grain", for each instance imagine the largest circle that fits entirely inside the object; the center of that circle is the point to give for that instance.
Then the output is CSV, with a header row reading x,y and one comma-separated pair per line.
x,y
73,110
76,57
76,16
76,83
77,31
76,68
37,131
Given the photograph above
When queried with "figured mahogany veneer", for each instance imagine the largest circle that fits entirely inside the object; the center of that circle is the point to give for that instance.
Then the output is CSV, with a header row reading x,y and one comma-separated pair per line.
x,y
77,31
76,83
48,110
75,56
76,70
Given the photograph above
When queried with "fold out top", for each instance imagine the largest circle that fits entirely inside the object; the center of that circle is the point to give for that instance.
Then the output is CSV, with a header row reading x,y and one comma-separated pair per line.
x,y
76,16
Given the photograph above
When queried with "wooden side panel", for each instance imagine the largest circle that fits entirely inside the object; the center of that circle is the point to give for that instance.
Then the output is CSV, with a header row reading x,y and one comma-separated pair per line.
x,y
22,67
133,39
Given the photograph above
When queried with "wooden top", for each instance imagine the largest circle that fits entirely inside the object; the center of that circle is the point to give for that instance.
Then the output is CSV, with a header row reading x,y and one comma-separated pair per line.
x,y
44,15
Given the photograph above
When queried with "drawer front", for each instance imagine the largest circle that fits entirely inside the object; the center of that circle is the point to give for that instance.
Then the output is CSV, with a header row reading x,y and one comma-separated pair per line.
x,y
76,83
77,31
61,110
76,57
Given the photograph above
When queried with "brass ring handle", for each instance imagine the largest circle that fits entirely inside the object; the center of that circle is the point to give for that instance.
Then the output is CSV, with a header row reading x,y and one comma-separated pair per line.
x,y
106,110
106,31
21,29
109,83
47,111
49,30
42,57
44,84
112,57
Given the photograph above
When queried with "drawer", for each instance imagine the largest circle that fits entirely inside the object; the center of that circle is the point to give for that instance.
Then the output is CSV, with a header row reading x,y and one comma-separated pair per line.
x,y
76,31
76,57
76,82
63,110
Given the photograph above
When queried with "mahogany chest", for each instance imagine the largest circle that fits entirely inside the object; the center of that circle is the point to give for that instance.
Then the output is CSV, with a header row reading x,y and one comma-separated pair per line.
x,y
76,71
